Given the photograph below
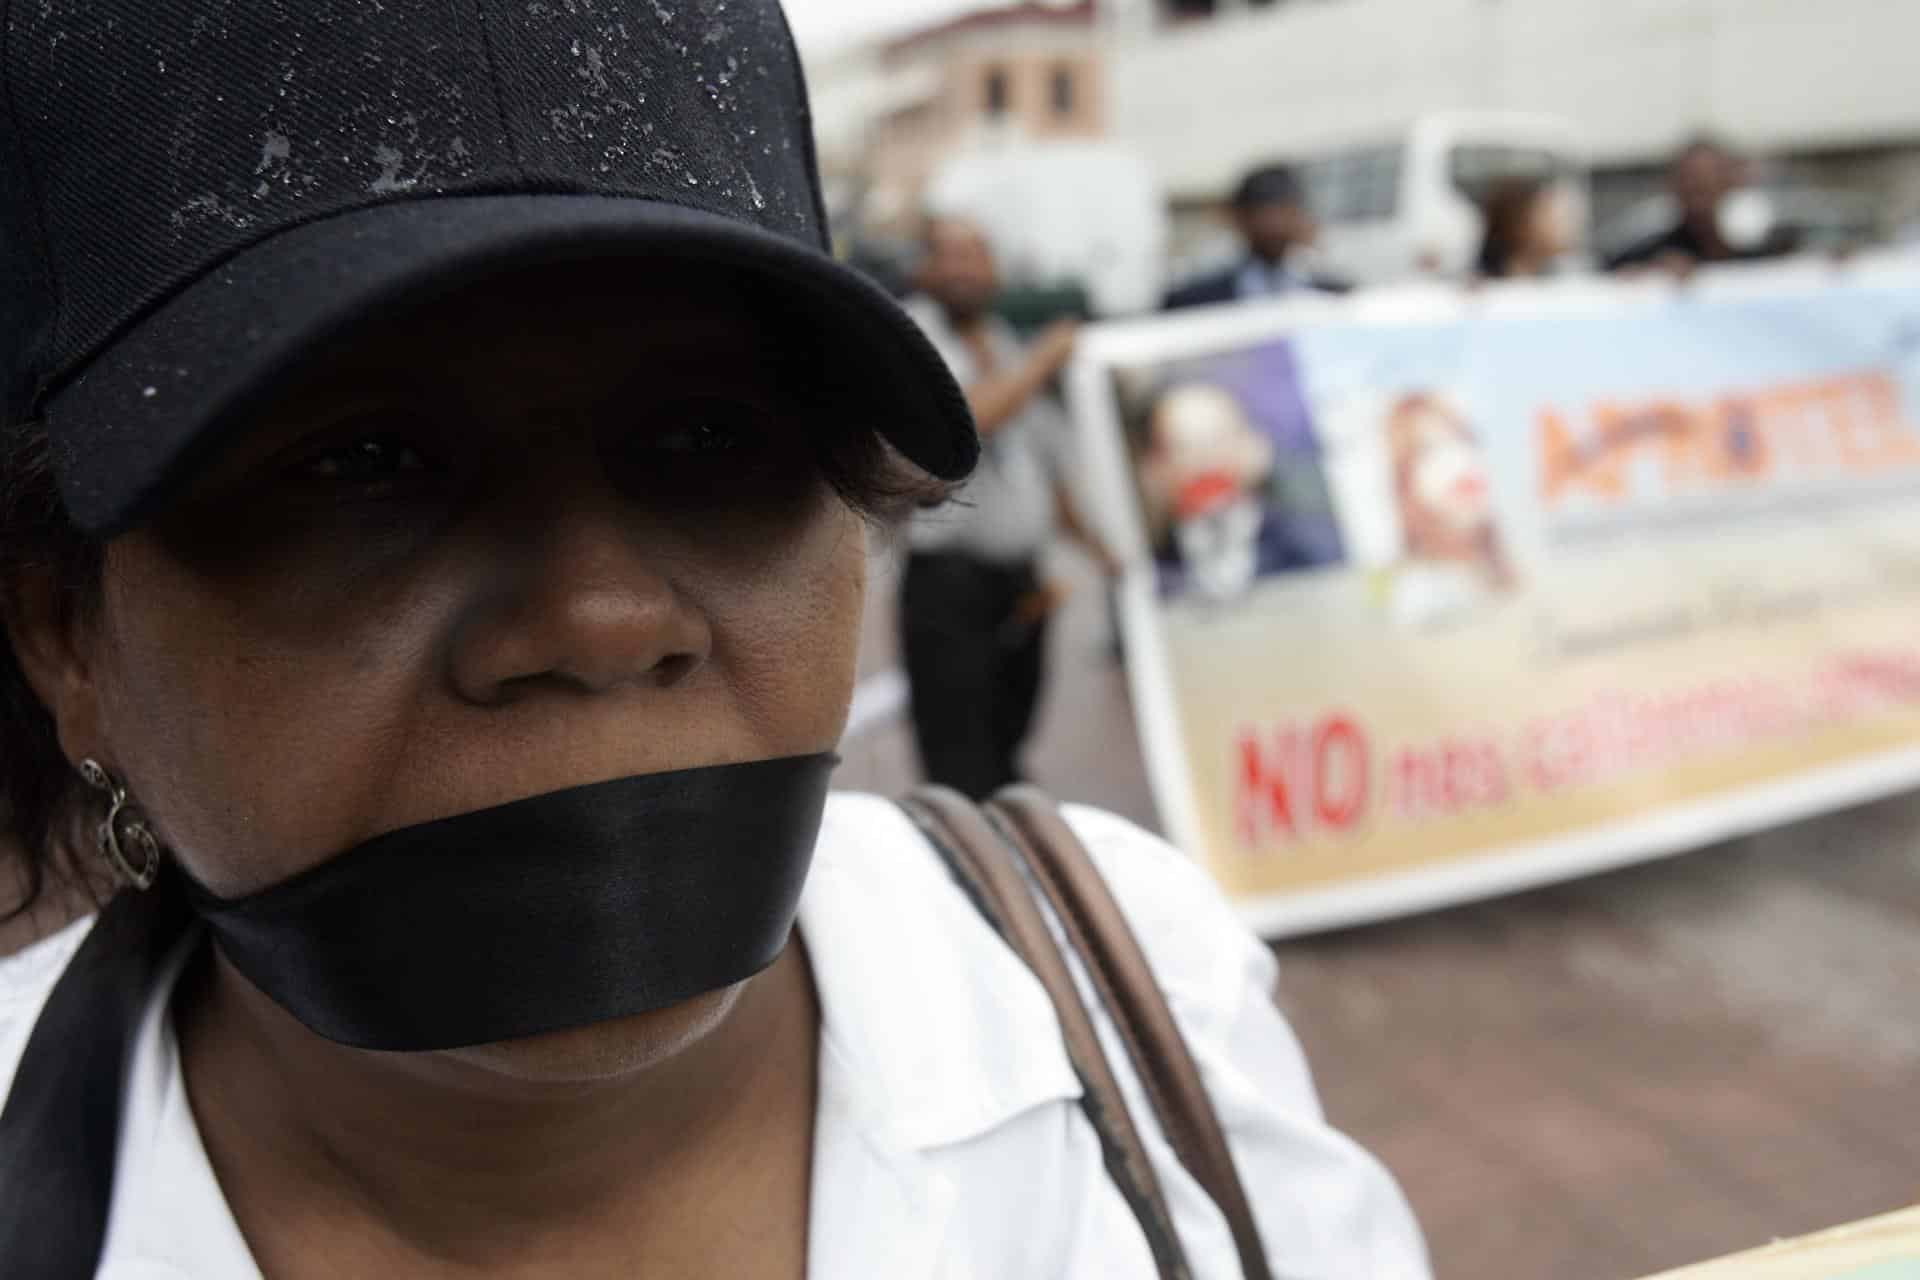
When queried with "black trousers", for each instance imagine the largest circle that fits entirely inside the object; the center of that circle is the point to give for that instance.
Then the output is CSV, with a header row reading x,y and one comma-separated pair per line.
x,y
974,669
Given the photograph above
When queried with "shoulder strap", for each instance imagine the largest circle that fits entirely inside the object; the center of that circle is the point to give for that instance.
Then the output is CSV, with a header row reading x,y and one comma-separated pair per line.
x,y
1099,931
986,868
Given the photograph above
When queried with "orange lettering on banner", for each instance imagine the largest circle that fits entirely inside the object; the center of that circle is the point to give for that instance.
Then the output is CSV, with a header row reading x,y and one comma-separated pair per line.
x,y
1792,421
1565,464
1690,453
1850,424
1881,401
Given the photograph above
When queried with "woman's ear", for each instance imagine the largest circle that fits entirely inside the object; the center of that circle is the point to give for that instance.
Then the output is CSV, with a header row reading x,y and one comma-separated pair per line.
x,y
50,640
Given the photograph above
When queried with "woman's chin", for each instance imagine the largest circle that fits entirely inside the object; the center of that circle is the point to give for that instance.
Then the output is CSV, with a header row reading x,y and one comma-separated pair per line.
x,y
601,1052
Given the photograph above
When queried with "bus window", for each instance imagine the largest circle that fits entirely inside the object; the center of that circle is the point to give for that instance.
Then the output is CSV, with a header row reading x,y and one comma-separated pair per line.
x,y
1356,186
1476,169
1326,182
1376,184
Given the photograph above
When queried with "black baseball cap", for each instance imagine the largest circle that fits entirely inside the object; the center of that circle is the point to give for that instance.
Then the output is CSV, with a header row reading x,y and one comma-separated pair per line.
x,y
195,193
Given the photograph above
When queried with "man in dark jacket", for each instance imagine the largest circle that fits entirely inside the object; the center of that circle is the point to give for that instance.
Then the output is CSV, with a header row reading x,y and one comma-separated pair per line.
x,y
1701,177
1270,212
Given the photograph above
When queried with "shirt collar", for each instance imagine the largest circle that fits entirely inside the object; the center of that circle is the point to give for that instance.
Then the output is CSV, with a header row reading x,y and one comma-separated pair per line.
x,y
932,1033
941,1033
169,1216
1258,279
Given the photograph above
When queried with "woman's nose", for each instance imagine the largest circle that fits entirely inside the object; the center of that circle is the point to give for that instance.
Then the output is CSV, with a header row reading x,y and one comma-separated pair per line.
x,y
584,608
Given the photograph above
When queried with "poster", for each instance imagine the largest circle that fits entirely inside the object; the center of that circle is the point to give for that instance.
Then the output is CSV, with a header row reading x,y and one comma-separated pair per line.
x,y
1440,595
1885,1248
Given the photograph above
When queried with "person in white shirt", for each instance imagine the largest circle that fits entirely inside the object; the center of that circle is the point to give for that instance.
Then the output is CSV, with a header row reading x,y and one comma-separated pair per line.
x,y
973,603
431,592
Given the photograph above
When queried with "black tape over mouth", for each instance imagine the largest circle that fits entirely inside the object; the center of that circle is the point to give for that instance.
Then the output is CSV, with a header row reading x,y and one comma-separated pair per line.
x,y
546,914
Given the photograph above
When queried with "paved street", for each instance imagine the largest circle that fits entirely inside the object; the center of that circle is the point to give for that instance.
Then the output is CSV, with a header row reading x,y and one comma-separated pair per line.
x,y
1598,1080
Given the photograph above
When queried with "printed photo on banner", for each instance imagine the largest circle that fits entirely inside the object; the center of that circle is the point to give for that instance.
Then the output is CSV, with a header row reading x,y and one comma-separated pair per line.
x,y
1240,478
1416,497
1451,554
1228,472
1443,599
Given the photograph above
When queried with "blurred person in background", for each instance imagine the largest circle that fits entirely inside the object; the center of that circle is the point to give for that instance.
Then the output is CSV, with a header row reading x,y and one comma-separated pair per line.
x,y
973,607
1530,231
1706,179
1271,214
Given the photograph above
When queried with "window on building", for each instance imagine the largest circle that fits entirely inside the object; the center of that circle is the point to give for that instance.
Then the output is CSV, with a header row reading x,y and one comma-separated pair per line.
x,y
1065,91
999,91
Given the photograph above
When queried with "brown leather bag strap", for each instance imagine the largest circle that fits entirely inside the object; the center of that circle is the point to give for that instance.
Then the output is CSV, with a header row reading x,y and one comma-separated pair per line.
x,y
1098,930
989,871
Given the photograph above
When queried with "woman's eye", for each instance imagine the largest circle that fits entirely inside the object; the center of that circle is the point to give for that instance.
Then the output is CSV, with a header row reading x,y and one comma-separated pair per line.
x,y
705,426
372,461
694,438
710,453
705,437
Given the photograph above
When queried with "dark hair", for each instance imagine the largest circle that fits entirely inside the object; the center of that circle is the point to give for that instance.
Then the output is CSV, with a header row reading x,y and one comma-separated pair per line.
x,y
1507,208
1269,184
872,477
929,224
38,788
1698,144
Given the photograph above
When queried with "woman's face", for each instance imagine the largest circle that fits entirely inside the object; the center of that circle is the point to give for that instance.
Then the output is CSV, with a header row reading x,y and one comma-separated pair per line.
x,y
559,530
1446,508
1449,475
1200,430
1551,230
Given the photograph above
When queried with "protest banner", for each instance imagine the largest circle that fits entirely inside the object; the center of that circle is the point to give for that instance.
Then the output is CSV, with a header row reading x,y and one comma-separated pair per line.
x,y
1440,595
1885,1248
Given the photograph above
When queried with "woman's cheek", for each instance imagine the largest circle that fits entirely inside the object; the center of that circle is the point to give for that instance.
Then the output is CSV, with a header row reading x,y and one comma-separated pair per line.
x,y
252,755
788,641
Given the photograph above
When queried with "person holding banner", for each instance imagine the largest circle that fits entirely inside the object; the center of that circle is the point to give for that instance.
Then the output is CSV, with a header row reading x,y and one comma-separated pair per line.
x,y
1530,231
1715,223
973,608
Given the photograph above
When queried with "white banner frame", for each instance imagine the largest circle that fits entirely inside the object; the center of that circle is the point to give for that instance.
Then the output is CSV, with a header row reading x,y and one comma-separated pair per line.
x,y
1109,490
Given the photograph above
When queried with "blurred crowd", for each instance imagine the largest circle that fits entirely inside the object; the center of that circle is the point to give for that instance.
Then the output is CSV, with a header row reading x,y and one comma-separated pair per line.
x,y
975,599
1714,207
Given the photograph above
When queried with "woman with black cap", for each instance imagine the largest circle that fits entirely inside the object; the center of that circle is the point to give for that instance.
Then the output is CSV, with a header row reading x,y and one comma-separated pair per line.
x,y
436,458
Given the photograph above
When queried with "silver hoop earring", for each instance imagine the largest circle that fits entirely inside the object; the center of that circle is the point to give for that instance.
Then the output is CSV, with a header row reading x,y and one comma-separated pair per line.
x,y
124,831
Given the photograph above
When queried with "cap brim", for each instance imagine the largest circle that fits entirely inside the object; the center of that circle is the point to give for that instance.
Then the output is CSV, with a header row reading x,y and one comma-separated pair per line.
x,y
129,424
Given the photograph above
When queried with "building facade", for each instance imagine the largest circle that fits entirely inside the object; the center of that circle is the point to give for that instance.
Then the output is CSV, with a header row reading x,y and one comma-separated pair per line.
x,y
1204,89
889,115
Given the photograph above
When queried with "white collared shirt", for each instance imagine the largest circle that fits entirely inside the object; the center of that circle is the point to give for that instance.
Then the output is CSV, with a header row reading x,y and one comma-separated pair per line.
x,y
1004,513
1258,279
949,1143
